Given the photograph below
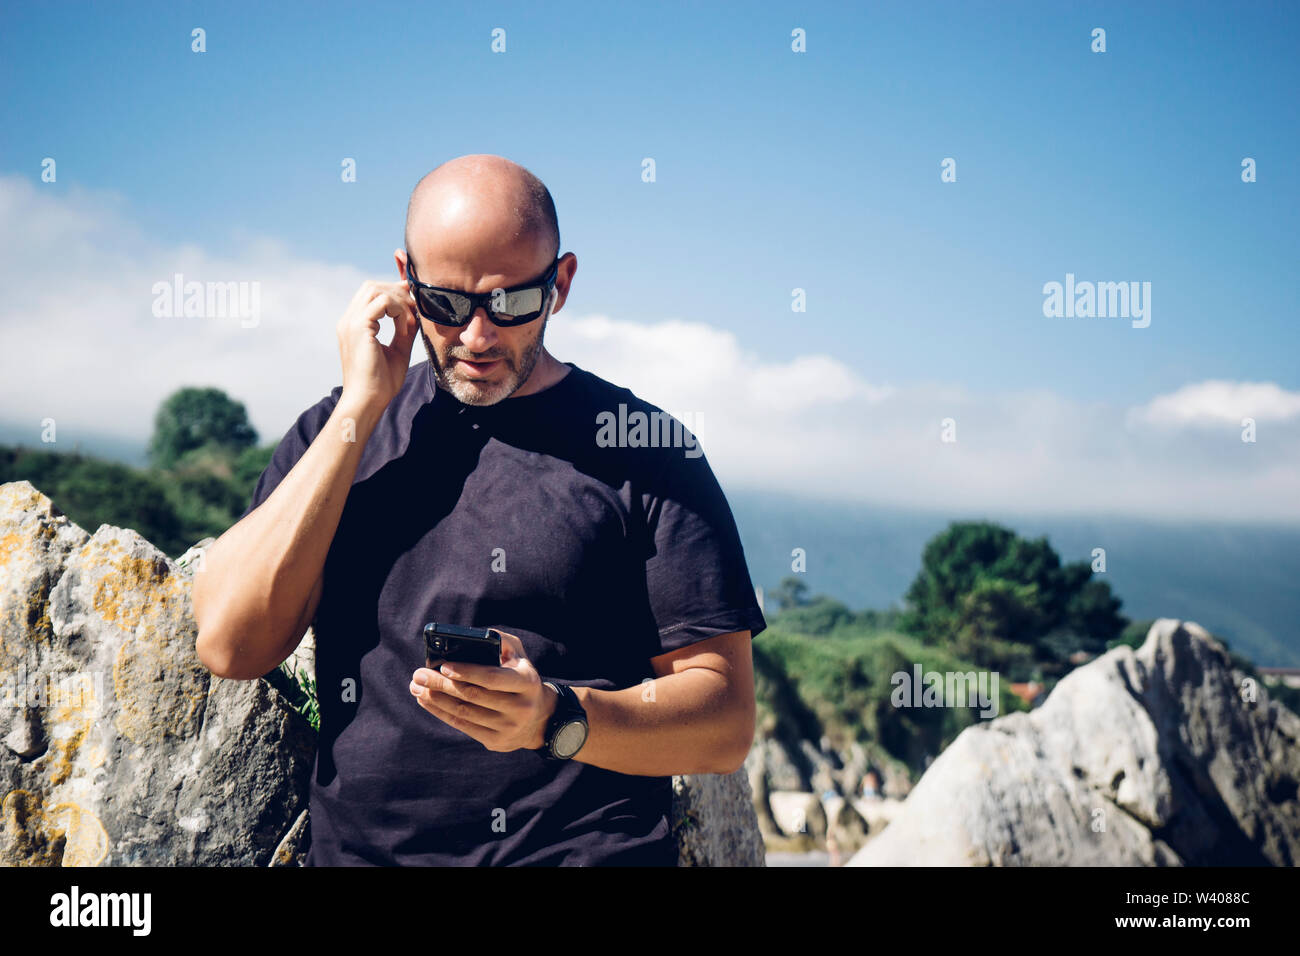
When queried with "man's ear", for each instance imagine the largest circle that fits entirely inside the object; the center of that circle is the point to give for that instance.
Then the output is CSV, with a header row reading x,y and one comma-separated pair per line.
x,y
399,255
564,280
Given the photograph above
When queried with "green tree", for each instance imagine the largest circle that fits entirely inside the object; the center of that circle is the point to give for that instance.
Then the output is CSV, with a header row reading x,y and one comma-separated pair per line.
x,y
998,624
1093,612
995,597
791,592
192,418
248,467
956,560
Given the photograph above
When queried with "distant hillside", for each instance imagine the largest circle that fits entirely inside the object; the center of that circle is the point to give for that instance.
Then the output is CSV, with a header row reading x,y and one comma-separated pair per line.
x,y
1238,581
132,452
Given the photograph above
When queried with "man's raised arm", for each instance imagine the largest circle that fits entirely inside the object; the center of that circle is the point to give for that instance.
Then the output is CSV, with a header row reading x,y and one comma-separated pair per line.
x,y
258,586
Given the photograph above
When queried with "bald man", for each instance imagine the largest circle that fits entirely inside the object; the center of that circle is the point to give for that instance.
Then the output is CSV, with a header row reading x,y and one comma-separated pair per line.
x,y
478,488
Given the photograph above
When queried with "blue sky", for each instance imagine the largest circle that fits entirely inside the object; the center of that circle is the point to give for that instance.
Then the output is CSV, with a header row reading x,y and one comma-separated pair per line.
x,y
775,170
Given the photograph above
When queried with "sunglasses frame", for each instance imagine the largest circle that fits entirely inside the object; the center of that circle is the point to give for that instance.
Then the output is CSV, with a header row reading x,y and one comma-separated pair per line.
x,y
483,300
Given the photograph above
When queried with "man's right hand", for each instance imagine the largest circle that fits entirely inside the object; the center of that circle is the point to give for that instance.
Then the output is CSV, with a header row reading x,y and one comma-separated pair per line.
x,y
373,373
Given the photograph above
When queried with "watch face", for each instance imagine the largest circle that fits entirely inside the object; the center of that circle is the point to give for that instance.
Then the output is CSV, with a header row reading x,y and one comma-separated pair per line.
x,y
570,738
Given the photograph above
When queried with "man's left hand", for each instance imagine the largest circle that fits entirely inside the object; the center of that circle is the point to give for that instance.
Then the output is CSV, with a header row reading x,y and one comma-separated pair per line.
x,y
504,708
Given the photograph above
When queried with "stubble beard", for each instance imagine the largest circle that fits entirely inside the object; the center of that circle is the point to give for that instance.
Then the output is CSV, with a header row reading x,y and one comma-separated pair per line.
x,y
469,393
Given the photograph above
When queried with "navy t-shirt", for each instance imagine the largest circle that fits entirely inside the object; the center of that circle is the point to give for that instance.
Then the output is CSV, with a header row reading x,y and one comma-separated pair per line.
x,y
521,516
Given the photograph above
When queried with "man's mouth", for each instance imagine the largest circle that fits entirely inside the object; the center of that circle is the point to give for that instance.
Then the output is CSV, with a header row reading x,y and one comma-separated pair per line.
x,y
478,369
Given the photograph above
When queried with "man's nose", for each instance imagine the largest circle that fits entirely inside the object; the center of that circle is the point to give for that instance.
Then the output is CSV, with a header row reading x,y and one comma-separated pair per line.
x,y
480,335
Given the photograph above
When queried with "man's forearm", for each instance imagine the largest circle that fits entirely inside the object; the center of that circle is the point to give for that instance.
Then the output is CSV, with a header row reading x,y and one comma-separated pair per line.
x,y
255,580
688,722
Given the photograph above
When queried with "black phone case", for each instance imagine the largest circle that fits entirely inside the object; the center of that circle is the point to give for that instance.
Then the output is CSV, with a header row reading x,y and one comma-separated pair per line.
x,y
467,649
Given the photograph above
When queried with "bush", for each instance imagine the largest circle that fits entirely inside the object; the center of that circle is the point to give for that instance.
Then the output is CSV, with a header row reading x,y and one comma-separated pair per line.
x,y
842,682
819,616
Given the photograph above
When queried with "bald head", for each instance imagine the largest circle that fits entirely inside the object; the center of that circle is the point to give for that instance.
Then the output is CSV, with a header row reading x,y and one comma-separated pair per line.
x,y
473,205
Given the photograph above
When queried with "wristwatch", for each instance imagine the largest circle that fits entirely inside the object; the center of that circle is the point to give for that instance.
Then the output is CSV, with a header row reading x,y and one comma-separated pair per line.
x,y
566,731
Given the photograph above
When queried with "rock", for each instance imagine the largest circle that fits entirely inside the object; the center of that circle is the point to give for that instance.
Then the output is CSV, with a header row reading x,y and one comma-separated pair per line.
x,y
846,829
26,734
714,821
192,560
856,765
293,848
119,747
302,662
878,812
825,769
756,768
784,767
897,783
1147,757
799,812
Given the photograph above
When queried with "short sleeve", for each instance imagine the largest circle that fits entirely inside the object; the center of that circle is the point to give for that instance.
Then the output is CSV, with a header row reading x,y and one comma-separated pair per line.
x,y
697,580
292,447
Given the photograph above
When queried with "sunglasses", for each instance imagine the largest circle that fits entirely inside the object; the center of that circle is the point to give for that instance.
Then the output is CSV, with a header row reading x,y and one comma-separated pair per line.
x,y
517,305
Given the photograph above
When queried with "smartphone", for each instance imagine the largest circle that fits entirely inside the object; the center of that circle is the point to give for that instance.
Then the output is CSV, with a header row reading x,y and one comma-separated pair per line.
x,y
451,642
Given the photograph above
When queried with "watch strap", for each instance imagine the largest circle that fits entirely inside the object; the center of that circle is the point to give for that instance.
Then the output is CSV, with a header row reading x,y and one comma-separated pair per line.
x,y
567,709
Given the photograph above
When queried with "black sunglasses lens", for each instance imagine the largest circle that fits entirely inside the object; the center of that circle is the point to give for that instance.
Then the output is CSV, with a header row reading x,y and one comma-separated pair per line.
x,y
440,308
520,306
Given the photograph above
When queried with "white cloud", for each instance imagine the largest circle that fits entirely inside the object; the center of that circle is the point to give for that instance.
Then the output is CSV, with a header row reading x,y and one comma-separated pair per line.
x,y
694,363
80,344
810,425
1220,403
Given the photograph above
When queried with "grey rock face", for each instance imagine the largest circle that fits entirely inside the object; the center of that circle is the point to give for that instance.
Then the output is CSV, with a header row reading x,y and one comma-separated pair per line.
x,y
826,768
846,827
799,812
784,768
714,821
118,747
1163,756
